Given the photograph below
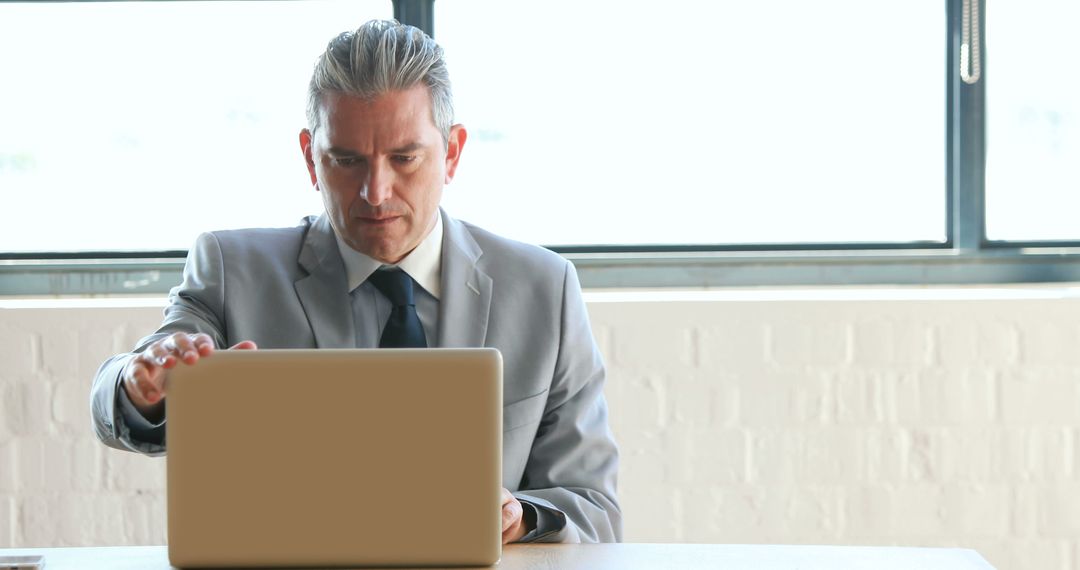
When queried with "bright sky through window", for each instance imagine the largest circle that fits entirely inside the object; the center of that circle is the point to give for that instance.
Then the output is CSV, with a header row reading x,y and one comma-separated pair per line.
x,y
137,125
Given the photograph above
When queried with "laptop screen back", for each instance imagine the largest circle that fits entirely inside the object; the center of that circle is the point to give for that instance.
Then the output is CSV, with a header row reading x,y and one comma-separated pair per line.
x,y
335,457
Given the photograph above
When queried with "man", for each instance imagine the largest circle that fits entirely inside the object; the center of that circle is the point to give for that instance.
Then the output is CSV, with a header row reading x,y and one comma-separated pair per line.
x,y
380,145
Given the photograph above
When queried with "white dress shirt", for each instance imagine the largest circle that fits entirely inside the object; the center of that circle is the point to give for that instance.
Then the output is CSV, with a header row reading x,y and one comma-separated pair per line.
x,y
371,308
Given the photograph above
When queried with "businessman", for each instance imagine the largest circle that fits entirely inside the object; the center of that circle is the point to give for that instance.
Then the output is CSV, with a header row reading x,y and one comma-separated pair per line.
x,y
385,266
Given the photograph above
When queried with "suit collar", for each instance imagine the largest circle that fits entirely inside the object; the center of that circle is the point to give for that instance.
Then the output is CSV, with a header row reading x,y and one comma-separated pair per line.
x,y
466,289
324,292
423,264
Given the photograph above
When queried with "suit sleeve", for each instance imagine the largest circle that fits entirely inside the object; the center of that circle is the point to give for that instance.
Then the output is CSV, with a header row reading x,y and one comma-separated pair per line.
x,y
195,306
570,477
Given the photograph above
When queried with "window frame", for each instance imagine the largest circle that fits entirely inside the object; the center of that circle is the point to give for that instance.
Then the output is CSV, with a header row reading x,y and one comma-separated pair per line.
x,y
965,257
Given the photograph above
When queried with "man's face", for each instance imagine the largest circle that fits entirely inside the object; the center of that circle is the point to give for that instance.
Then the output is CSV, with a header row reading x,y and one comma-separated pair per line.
x,y
381,166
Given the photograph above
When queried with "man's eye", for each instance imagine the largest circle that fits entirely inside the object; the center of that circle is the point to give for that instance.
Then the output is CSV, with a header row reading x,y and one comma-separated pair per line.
x,y
404,158
348,161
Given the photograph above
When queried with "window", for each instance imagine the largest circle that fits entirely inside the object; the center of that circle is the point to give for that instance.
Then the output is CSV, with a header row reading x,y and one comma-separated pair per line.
x,y
700,144
607,122
1033,116
138,125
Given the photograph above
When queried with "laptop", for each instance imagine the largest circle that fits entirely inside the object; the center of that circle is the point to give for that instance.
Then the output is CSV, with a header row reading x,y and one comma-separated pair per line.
x,y
327,457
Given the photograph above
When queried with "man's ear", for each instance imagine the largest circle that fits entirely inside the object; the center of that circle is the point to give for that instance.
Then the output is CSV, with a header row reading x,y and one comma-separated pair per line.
x,y
305,147
454,144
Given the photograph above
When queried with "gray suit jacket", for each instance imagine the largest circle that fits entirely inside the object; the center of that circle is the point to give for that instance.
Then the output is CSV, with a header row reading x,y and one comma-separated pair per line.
x,y
286,288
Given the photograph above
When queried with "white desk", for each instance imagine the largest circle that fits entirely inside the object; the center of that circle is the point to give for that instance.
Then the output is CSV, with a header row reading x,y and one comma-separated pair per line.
x,y
602,557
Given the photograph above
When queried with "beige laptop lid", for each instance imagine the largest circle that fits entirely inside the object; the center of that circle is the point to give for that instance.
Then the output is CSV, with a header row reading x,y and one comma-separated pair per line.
x,y
336,458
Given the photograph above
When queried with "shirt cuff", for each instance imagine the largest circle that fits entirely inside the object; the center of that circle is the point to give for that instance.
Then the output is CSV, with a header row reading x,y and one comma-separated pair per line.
x,y
548,521
140,428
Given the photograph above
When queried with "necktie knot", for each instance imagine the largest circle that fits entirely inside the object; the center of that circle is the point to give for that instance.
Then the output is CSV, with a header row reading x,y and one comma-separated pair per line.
x,y
395,284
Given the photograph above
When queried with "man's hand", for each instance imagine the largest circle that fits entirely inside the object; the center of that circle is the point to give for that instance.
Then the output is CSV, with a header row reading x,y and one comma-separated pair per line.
x,y
513,523
144,375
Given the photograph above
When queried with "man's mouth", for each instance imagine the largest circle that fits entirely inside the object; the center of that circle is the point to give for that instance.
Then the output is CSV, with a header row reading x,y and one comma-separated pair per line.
x,y
382,221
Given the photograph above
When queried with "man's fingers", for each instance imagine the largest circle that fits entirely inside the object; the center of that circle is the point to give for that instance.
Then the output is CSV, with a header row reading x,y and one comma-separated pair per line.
x,y
513,527
513,524
203,343
150,384
159,355
184,348
138,375
144,379
511,514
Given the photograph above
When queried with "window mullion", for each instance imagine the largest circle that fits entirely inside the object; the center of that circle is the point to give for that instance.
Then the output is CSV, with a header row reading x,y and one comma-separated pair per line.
x,y
419,13
967,128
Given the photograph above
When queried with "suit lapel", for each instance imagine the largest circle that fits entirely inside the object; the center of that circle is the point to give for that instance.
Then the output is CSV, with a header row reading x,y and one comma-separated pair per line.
x,y
324,292
466,290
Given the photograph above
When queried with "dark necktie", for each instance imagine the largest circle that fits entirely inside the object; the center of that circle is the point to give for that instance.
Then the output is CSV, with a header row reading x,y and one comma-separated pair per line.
x,y
403,328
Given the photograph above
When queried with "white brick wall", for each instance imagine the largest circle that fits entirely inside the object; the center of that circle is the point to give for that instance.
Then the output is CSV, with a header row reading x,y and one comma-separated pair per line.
x,y
913,422
951,422
58,485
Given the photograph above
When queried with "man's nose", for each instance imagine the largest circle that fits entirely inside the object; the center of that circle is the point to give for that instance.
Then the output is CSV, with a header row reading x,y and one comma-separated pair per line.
x,y
377,186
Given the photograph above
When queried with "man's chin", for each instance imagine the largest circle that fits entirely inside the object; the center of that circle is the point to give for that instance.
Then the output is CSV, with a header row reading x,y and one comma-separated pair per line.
x,y
376,248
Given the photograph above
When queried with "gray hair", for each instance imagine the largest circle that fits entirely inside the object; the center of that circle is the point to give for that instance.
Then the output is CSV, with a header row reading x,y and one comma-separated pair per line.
x,y
382,56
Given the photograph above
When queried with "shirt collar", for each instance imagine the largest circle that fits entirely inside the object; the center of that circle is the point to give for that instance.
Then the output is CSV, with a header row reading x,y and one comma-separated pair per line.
x,y
423,264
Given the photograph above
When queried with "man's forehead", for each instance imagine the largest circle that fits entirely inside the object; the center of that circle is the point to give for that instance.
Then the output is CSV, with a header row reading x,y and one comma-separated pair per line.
x,y
413,103
392,120
350,141
402,149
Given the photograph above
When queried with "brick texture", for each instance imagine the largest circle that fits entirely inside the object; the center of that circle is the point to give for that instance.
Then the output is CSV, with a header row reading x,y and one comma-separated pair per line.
x,y
7,522
8,466
924,423
19,350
